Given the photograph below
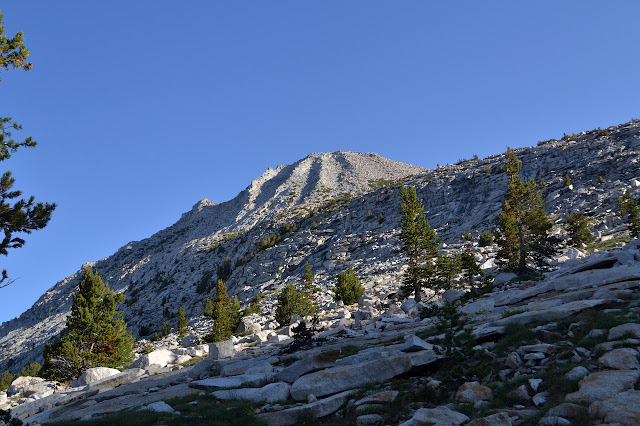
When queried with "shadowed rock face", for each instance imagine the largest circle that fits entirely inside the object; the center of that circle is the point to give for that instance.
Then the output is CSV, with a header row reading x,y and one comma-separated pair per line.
x,y
164,271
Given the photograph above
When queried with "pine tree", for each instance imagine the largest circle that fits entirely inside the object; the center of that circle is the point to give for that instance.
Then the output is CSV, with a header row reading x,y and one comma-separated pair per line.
x,y
236,313
523,226
578,230
25,215
420,245
182,322
292,301
224,271
208,308
628,210
165,329
348,289
96,335
225,315
308,277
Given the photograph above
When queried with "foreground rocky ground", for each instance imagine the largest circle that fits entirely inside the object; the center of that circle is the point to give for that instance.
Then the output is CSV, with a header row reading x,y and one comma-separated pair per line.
x,y
554,350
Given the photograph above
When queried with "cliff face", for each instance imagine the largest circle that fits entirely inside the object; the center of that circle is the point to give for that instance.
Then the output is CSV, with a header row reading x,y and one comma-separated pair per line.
x,y
329,209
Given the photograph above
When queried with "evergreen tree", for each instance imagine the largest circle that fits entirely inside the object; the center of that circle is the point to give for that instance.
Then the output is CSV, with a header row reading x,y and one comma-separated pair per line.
x,y
165,329
225,315
308,277
348,289
31,370
292,301
236,312
182,322
208,308
96,335
628,210
523,226
224,271
24,215
6,379
578,230
254,307
419,244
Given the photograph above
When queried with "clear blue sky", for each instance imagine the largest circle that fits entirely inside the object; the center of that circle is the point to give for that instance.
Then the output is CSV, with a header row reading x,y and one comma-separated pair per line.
x,y
142,108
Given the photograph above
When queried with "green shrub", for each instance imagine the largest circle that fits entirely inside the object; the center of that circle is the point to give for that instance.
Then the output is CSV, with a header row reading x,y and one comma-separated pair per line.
x,y
5,380
467,236
268,242
292,301
31,370
254,307
348,289
485,239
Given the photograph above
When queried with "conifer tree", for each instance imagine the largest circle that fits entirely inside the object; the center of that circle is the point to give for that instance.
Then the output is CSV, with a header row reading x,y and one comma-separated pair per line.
x,y
96,335
225,315
420,245
165,328
628,210
523,226
292,301
236,312
182,322
578,230
23,215
308,277
348,289
208,308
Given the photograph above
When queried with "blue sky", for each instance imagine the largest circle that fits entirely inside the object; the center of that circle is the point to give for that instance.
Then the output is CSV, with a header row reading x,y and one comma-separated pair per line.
x,y
143,108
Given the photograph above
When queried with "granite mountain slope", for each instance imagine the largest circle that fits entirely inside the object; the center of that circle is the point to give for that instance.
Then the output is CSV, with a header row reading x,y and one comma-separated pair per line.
x,y
329,210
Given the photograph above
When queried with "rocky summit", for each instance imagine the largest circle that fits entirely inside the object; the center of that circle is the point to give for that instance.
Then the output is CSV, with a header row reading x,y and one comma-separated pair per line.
x,y
558,348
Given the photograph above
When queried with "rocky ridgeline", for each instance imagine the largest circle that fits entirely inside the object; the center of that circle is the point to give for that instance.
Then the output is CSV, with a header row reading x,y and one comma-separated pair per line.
x,y
562,349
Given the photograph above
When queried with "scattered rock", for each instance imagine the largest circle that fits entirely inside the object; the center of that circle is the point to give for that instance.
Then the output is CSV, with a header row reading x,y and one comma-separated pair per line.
x,y
436,416
190,340
308,365
159,407
521,393
473,392
27,386
620,359
94,374
630,329
413,343
498,419
623,408
568,410
320,408
221,350
337,379
577,373
369,419
602,384
159,357
378,398
231,382
273,392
